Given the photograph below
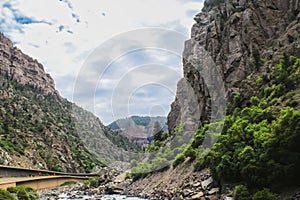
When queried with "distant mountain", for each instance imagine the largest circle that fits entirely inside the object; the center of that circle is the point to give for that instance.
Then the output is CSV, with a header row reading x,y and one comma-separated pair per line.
x,y
40,129
140,129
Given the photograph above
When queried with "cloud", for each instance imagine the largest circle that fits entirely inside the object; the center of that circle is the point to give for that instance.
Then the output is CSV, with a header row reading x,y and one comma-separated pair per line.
x,y
63,33
61,28
76,17
69,4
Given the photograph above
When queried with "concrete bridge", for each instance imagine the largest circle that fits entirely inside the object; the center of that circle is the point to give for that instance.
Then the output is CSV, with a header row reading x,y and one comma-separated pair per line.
x,y
38,183
37,179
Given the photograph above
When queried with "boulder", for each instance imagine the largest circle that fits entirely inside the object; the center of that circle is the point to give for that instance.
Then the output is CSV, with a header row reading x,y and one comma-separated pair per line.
x,y
205,184
198,196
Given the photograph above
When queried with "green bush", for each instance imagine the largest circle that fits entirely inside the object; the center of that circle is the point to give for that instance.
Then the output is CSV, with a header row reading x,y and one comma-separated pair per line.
x,y
127,175
241,193
254,101
92,182
6,195
190,152
24,192
264,194
159,163
152,148
180,158
259,81
236,99
259,144
141,170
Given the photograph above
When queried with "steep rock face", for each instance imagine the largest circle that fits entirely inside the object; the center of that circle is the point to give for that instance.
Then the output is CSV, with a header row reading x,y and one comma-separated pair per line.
x,y
244,39
23,68
40,129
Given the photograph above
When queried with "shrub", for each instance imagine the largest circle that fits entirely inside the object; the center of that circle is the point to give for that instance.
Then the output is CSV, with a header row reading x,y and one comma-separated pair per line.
x,y
127,175
159,163
24,192
259,81
133,163
191,152
6,195
92,182
255,101
241,193
141,170
178,160
264,194
236,99
152,148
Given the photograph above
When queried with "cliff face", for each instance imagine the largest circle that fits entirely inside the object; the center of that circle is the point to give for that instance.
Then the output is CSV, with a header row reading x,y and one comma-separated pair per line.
x,y
23,68
244,38
40,129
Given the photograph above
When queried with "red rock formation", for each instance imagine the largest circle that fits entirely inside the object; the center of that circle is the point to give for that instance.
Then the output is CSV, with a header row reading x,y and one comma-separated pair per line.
x,y
23,68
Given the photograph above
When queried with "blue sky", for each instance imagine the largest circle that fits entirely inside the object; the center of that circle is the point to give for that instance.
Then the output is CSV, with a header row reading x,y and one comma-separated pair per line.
x,y
65,34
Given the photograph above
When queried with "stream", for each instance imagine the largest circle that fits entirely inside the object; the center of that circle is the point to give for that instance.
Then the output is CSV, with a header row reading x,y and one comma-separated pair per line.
x,y
74,193
64,196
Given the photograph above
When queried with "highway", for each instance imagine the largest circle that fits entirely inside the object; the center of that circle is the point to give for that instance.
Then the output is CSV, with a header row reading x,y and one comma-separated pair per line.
x,y
37,179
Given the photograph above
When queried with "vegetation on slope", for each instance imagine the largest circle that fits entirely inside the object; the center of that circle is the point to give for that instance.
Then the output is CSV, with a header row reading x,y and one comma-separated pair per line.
x,y
259,144
40,127
24,192
19,192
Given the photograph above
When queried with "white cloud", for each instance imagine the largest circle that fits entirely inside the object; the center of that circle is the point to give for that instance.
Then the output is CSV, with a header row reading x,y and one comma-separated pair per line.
x,y
62,33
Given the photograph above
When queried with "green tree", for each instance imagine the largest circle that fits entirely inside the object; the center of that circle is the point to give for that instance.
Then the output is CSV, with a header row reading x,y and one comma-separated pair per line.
x,y
264,194
241,193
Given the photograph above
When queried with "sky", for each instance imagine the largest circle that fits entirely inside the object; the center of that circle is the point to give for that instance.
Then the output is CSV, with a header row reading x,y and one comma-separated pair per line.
x,y
116,58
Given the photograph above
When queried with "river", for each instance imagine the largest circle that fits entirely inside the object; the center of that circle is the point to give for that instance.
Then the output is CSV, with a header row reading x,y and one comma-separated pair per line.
x,y
64,196
72,193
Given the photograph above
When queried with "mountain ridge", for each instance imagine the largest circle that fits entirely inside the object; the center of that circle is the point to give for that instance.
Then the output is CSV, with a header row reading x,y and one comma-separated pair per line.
x,y
140,129
23,68
40,129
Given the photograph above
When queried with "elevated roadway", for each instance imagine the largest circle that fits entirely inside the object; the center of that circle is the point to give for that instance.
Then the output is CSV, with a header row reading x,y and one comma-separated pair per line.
x,y
38,183
37,179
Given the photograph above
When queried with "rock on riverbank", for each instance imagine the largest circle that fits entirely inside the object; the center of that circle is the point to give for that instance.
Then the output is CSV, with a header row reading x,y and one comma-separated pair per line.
x,y
179,183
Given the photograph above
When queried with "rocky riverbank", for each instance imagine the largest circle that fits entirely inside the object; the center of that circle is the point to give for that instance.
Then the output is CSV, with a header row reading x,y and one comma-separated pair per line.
x,y
172,184
68,192
179,183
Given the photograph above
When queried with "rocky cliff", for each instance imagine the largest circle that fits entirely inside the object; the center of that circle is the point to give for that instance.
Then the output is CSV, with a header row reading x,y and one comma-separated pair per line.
x,y
244,38
23,68
40,129
243,58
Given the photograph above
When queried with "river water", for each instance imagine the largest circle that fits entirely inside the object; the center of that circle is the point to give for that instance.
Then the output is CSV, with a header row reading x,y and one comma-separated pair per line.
x,y
75,192
64,196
